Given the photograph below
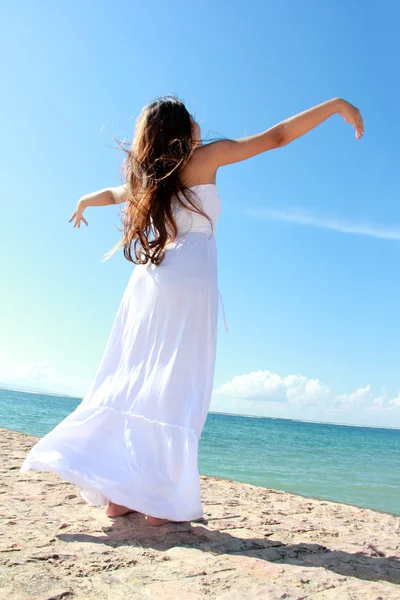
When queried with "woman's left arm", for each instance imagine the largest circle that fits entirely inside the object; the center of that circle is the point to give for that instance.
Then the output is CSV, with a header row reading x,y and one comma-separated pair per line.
x,y
106,197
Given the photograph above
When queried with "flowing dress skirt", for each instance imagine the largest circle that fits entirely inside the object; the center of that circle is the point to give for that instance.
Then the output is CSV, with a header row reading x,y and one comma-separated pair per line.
x,y
134,437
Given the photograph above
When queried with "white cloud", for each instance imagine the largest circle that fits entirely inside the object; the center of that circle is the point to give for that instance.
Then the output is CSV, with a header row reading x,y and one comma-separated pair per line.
x,y
302,217
265,385
359,396
379,401
265,393
41,376
394,402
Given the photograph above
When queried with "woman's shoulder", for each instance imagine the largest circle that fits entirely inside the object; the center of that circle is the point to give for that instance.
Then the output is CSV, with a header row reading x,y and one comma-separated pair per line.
x,y
198,170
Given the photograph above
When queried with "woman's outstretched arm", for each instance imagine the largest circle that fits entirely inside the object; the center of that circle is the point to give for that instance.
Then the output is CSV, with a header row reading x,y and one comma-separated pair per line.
x,y
224,152
111,195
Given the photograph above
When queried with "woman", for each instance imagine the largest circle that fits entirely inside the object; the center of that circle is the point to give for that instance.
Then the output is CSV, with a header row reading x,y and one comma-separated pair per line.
x,y
132,443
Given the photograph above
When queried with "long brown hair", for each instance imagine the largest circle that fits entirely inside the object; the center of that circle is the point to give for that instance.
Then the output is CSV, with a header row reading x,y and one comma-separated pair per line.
x,y
162,146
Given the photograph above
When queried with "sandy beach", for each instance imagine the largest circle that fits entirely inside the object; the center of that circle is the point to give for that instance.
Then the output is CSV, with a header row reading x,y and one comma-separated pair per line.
x,y
253,542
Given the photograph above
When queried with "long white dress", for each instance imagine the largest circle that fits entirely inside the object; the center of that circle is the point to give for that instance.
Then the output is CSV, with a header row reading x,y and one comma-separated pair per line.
x,y
134,437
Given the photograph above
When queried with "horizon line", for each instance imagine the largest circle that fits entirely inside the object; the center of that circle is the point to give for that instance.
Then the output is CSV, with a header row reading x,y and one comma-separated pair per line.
x,y
8,389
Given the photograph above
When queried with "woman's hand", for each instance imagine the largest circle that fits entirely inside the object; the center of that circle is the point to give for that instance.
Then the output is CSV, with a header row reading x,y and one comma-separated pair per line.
x,y
78,214
352,115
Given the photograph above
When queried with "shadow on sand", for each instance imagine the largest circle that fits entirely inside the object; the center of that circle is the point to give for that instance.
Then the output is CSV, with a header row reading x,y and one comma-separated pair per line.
x,y
132,530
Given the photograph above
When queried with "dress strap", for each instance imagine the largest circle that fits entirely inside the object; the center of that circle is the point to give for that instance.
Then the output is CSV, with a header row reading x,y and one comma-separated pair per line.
x,y
223,310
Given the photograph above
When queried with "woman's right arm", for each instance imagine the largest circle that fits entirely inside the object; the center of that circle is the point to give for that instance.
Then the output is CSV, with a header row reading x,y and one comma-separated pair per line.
x,y
105,197
224,152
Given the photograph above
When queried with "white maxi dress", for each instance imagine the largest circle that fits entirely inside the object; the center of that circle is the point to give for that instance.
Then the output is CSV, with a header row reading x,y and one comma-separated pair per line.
x,y
134,437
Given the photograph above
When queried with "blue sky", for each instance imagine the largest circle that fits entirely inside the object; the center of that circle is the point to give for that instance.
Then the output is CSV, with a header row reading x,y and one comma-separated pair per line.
x,y
309,235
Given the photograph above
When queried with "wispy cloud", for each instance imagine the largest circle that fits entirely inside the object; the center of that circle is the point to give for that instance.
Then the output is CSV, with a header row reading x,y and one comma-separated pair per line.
x,y
302,217
40,375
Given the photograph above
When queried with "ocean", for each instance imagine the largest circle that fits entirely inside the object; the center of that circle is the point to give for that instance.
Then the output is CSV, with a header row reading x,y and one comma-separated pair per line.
x,y
354,465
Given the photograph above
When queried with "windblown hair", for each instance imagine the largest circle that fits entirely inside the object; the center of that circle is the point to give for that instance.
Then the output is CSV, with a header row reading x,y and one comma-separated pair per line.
x,y
162,146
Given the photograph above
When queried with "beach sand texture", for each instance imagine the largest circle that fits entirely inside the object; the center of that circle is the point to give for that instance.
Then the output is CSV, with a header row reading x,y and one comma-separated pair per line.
x,y
252,543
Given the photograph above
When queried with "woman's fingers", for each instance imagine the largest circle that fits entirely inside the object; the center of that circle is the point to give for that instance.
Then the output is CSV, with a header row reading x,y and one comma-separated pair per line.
x,y
359,125
356,120
78,218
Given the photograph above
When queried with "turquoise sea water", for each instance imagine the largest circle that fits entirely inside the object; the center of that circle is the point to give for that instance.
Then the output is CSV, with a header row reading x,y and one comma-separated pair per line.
x,y
355,465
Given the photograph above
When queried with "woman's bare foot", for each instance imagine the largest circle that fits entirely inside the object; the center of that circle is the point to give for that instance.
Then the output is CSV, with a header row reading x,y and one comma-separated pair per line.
x,y
154,521
117,510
